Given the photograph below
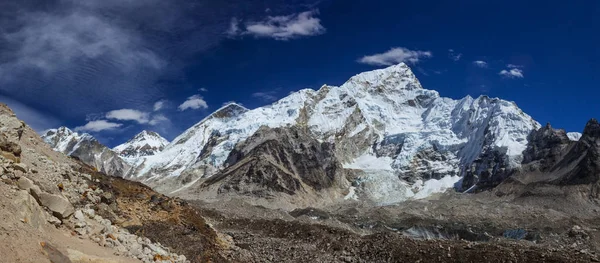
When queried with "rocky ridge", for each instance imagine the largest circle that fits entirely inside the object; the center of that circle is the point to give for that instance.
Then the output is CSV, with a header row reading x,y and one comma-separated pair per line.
x,y
56,193
86,148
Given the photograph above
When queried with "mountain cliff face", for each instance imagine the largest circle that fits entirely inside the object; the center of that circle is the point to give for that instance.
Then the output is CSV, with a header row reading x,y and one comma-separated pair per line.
x,y
145,143
383,123
86,148
276,164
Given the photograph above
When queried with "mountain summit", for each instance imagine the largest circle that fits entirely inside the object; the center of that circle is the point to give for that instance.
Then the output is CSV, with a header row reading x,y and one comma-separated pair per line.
x,y
144,143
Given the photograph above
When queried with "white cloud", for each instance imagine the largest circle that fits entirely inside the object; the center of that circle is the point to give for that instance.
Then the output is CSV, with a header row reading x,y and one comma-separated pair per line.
x,y
194,102
453,55
159,105
267,96
395,56
129,115
512,73
234,27
480,63
513,66
203,89
280,27
157,119
49,43
99,125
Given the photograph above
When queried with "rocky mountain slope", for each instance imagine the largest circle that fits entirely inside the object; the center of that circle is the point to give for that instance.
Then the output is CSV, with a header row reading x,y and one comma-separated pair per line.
x,y
56,209
145,143
86,148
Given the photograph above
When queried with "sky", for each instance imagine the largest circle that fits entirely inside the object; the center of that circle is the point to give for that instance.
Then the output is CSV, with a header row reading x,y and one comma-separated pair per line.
x,y
113,68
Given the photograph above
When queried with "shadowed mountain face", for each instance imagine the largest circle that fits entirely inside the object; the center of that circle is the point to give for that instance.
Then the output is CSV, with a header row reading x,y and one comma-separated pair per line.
x,y
278,160
552,159
581,165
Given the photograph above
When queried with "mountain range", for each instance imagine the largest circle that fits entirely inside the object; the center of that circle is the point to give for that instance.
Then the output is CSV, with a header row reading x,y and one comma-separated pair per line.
x,y
380,137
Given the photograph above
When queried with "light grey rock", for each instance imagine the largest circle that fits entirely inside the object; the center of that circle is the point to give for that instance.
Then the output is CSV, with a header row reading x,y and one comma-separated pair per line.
x,y
59,205
91,213
25,184
30,212
79,215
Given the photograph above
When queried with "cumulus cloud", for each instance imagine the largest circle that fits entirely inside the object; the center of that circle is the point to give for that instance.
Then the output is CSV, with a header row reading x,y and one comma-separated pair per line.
x,y
480,63
454,55
159,105
157,119
395,56
280,27
129,115
234,27
99,125
512,73
194,102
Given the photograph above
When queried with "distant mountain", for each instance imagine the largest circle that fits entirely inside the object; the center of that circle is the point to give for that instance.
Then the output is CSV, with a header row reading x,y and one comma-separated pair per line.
x,y
401,140
145,143
379,137
86,148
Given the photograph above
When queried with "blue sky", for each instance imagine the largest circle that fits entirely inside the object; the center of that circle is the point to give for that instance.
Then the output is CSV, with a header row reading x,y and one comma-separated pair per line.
x,y
102,66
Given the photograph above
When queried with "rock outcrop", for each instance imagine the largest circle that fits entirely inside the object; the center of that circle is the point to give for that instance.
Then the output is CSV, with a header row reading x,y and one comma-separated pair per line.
x,y
277,162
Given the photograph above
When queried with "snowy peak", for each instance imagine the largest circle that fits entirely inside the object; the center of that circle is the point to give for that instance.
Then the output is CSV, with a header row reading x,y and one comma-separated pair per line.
x,y
87,149
145,143
396,77
65,140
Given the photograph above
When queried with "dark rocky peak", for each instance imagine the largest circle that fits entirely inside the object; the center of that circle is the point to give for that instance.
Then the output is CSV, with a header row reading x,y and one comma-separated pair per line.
x,y
230,110
591,131
546,146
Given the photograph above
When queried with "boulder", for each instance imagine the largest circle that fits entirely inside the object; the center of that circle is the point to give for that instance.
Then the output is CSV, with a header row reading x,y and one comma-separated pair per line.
x,y
29,210
25,184
59,205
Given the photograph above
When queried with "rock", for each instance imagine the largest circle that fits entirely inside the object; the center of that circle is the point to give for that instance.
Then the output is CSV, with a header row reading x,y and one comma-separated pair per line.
x,y
79,215
87,176
54,221
60,206
54,254
25,184
19,167
90,212
107,198
29,210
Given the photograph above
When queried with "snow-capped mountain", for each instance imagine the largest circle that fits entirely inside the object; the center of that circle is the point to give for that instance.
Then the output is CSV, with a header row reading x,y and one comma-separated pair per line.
x,y
403,140
574,136
145,143
85,147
